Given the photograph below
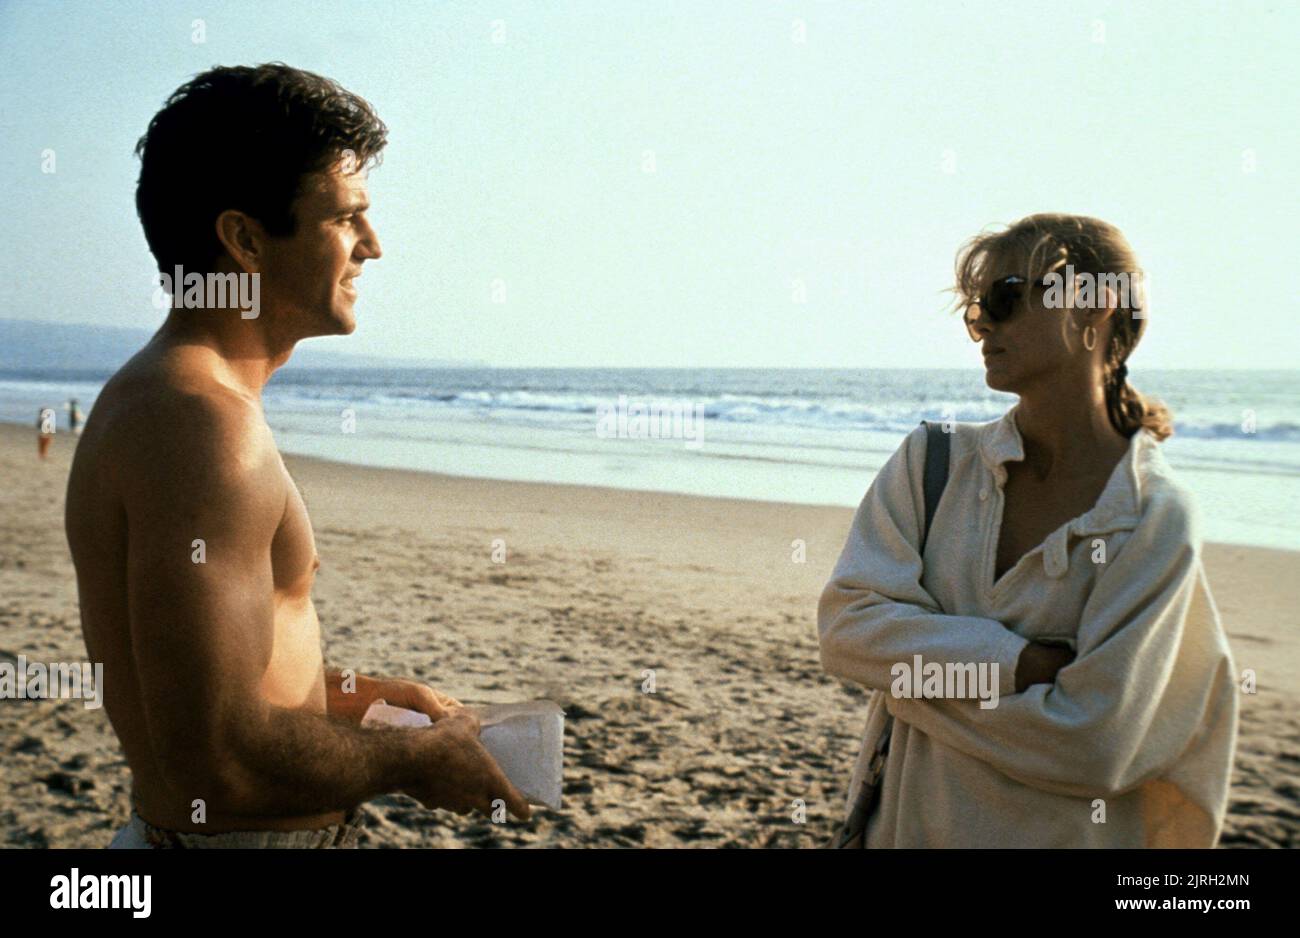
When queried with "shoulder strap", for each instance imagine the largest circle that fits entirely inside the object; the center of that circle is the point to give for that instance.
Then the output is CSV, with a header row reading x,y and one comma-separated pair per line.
x,y
936,472
935,479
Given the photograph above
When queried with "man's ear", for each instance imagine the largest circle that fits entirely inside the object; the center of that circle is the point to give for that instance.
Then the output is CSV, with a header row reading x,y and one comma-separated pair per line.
x,y
243,238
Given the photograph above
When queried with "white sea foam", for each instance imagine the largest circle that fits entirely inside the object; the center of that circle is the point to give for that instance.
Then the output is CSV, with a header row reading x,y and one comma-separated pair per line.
x,y
796,436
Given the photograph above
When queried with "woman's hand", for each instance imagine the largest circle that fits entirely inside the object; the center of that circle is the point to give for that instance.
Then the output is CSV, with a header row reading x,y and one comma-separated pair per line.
x,y
1038,664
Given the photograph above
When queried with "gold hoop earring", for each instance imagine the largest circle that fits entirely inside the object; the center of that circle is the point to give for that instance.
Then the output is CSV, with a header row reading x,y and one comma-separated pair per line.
x,y
1089,337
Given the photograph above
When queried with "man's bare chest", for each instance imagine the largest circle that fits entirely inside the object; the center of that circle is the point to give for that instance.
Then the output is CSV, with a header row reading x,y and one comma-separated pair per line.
x,y
293,551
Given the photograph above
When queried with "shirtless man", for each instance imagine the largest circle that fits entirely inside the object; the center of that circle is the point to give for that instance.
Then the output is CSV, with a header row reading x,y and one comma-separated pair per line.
x,y
194,552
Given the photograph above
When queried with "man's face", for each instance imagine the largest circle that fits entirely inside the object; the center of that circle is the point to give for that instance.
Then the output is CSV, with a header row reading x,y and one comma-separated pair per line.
x,y
308,277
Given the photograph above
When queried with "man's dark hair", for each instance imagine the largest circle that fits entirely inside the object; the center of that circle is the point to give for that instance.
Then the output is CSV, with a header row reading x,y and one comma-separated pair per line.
x,y
242,138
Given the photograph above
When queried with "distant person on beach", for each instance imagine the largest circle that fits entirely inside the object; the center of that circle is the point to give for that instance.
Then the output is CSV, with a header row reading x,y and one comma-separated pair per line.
x,y
1063,551
45,427
194,553
74,417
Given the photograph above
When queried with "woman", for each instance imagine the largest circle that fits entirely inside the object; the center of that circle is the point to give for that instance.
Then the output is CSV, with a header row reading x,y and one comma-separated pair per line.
x,y
1064,553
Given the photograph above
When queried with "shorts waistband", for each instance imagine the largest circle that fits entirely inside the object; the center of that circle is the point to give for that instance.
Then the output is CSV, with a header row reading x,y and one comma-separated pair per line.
x,y
336,836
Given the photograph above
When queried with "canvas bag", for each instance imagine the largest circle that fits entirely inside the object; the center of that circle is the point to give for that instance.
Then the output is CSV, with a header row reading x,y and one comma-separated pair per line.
x,y
853,833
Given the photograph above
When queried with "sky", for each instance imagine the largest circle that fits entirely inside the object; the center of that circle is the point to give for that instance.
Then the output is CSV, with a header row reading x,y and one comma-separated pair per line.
x,y
700,184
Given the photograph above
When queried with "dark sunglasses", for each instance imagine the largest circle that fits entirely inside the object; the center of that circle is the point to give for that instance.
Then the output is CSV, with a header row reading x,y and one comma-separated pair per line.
x,y
999,303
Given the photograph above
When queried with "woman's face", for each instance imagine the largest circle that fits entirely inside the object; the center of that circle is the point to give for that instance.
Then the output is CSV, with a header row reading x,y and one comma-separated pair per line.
x,y
1037,346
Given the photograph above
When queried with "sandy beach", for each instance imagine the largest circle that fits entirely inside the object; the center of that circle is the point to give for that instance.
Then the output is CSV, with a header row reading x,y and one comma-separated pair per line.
x,y
601,592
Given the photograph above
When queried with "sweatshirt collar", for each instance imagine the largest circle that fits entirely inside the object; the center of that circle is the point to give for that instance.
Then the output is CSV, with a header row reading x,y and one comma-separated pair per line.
x,y
1118,508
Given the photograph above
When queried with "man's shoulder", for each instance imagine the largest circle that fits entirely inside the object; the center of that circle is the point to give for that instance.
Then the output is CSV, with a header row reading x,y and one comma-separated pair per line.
x,y
172,422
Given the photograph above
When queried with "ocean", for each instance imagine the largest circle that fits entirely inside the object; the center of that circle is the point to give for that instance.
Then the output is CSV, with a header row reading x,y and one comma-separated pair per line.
x,y
785,435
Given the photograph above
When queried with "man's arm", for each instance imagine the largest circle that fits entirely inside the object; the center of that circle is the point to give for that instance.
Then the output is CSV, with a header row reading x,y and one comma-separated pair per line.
x,y
349,695
202,635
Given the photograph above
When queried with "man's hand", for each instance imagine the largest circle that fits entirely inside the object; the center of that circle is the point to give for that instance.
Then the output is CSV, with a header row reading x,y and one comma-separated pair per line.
x,y
394,691
1038,664
399,692
462,775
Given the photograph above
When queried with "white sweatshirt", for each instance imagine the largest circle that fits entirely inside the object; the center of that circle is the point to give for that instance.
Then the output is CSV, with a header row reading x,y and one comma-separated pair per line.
x,y
1132,746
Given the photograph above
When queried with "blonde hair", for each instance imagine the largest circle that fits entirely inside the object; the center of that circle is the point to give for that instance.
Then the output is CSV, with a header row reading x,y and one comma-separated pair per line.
x,y
1091,246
